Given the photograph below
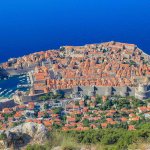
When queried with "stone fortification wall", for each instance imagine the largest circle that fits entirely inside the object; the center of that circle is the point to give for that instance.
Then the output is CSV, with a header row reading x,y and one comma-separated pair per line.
x,y
7,104
26,99
102,91
107,91
12,71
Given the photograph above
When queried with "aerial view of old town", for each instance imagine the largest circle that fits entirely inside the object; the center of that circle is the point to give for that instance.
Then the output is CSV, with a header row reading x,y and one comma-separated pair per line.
x,y
79,88
74,74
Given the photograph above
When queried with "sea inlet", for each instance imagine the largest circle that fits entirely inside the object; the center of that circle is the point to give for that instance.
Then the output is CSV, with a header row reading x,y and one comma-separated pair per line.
x,y
9,86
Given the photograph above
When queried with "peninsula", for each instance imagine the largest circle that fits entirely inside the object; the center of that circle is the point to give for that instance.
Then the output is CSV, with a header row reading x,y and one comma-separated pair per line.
x,y
106,69
85,91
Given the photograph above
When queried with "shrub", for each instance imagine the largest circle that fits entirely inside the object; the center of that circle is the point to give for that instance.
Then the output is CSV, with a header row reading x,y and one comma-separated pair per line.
x,y
35,147
68,147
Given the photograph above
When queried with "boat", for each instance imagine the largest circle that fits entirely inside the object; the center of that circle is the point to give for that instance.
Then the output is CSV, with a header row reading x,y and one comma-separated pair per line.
x,y
22,76
3,92
9,92
22,80
23,85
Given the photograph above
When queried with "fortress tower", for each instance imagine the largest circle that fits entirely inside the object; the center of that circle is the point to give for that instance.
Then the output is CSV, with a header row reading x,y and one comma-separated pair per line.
x,y
142,91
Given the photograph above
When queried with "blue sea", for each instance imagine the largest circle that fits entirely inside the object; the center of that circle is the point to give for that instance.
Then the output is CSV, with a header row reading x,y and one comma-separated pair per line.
x,y
27,26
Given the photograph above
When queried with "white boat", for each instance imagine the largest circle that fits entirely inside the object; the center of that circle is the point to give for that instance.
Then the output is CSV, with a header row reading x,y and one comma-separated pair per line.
x,y
9,92
22,76
18,86
3,92
6,93
21,80
23,85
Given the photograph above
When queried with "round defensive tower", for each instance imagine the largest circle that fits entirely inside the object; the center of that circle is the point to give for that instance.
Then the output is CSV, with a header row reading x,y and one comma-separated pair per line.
x,y
124,91
141,91
142,88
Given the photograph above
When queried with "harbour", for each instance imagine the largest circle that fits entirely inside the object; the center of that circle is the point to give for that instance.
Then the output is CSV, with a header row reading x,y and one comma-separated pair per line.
x,y
8,87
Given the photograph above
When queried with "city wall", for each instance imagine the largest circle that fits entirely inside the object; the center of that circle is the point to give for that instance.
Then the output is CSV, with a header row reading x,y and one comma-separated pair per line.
x,y
138,92
7,104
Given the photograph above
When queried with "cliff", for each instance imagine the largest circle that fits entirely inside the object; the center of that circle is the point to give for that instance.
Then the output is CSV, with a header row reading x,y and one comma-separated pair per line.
x,y
27,133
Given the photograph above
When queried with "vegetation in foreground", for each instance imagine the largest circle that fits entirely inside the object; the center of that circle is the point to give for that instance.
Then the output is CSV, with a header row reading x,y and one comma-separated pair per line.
x,y
105,139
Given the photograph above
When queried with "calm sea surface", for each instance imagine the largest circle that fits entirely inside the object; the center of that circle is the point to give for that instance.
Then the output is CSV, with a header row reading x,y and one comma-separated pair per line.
x,y
27,26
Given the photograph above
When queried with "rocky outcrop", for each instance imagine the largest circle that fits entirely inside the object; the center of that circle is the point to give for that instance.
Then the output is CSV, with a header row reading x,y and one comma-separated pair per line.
x,y
24,134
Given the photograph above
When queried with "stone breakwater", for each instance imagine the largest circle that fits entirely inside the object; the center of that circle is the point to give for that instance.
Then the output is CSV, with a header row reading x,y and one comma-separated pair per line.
x,y
13,71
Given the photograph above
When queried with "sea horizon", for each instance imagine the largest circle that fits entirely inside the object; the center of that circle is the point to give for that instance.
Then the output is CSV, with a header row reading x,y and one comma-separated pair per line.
x,y
57,48
30,26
